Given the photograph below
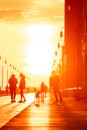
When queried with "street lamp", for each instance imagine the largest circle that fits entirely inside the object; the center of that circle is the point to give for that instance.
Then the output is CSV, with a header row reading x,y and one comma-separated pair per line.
x,y
57,63
61,34
7,69
2,63
2,71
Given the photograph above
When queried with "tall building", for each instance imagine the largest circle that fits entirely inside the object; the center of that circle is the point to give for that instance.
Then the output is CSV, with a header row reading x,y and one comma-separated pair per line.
x,y
76,43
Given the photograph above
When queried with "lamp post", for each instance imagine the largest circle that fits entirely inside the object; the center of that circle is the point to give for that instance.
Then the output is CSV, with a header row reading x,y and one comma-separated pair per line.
x,y
2,71
60,47
57,63
59,59
7,69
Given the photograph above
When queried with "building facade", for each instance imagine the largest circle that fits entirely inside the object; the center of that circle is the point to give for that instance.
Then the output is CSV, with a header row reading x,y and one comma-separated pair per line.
x,y
75,47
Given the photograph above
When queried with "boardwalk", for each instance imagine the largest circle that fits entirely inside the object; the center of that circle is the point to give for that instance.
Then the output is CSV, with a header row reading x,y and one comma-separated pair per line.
x,y
8,110
69,116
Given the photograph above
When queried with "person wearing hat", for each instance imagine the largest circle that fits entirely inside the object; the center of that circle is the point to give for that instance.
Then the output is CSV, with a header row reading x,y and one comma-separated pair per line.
x,y
13,85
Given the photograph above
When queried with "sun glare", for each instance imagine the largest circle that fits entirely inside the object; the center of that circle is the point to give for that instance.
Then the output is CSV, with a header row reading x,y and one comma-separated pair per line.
x,y
40,49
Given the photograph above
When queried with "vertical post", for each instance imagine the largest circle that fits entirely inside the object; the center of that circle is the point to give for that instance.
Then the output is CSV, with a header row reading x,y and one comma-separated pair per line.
x,y
2,75
7,73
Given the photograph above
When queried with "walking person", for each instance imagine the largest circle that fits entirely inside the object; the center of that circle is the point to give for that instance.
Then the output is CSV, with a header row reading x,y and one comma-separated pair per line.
x,y
50,85
55,86
37,98
42,91
13,85
45,90
7,89
22,87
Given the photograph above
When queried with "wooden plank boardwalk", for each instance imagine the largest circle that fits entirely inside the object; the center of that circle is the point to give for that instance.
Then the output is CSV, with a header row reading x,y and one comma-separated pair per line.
x,y
72,115
9,110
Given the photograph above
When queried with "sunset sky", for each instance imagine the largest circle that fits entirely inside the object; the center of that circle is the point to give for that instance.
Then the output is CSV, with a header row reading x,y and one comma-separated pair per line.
x,y
29,32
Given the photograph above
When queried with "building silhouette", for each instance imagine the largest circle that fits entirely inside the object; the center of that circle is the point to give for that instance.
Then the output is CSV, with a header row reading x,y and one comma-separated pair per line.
x,y
75,49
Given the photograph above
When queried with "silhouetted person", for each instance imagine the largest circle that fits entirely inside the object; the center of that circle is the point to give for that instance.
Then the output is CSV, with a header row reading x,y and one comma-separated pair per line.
x,y
7,89
45,90
37,98
13,85
55,85
50,83
42,91
42,87
22,87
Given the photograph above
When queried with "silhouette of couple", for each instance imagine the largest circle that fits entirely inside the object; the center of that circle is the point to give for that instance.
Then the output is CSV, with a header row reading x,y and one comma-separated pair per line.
x,y
13,86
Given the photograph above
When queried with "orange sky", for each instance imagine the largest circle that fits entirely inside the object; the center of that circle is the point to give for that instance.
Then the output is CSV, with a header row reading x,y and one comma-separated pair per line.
x,y
28,39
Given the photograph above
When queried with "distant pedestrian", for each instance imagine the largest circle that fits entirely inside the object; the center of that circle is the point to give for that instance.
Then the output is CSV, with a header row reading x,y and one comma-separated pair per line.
x,y
50,84
7,89
55,86
13,85
45,90
42,91
22,87
37,98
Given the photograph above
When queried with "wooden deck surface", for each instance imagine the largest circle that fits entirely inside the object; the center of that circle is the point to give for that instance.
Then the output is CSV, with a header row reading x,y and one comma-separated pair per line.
x,y
72,115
